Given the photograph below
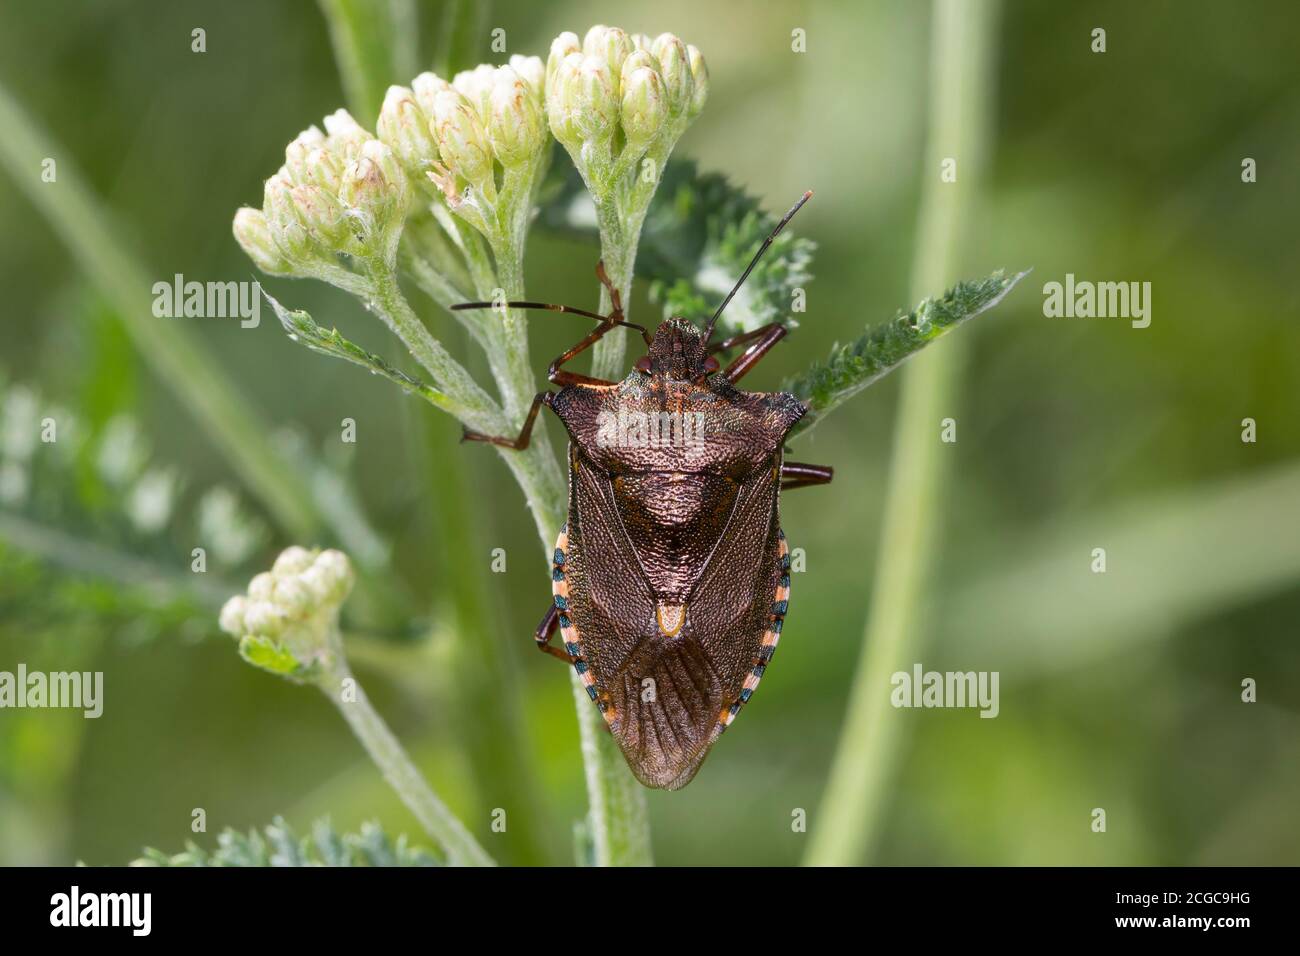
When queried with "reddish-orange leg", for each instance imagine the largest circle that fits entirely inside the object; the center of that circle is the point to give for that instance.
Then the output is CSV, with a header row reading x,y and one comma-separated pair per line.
x,y
520,441
763,338
555,373
546,630
796,474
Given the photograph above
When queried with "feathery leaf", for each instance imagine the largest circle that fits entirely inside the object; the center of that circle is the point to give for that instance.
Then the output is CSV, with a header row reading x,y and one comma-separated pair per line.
x,y
852,367
699,234
278,845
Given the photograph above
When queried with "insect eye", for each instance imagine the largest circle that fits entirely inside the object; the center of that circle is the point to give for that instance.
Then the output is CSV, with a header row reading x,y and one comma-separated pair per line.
x,y
711,364
643,364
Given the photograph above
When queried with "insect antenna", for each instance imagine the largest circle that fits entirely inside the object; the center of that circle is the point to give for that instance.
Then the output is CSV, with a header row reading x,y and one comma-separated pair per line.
x,y
551,307
708,332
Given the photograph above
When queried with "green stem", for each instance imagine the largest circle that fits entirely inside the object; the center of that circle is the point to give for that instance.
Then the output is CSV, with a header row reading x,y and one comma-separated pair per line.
x,y
846,828
387,753
473,405
618,243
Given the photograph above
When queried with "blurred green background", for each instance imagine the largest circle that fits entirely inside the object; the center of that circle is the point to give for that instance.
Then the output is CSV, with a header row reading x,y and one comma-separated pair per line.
x,y
1120,691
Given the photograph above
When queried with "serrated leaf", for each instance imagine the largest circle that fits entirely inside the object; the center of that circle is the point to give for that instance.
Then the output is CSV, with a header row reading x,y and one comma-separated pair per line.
x,y
278,845
699,235
300,327
881,349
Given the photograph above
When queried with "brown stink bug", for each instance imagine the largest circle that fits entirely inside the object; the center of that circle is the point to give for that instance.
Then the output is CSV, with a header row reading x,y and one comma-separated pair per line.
x,y
671,577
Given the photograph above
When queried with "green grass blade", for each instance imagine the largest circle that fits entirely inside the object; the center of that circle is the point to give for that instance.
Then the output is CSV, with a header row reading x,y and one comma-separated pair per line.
x,y
873,732
173,353
375,46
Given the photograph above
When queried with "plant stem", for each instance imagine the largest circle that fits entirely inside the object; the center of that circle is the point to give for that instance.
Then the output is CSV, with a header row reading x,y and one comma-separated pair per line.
x,y
387,753
847,826
618,242
472,405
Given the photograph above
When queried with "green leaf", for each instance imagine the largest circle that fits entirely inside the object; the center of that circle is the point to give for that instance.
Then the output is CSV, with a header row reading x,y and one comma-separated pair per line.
x,y
375,45
300,327
852,367
464,24
278,845
269,656
699,235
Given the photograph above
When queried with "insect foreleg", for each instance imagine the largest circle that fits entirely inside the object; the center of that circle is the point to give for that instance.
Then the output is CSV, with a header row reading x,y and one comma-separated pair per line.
x,y
546,630
615,299
742,338
520,442
767,336
559,376
796,474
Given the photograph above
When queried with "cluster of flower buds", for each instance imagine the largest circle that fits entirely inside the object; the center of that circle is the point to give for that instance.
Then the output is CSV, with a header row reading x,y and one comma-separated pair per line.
x,y
340,191
612,96
452,137
284,623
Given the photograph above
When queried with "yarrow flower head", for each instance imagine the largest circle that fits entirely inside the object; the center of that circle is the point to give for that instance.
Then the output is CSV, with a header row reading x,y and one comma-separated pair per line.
x,y
613,98
339,192
287,623
463,141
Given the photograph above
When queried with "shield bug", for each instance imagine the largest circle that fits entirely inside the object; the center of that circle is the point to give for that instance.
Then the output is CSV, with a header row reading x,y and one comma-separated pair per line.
x,y
671,576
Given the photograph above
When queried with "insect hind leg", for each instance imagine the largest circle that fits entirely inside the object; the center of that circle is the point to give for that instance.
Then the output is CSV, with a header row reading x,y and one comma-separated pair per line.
x,y
797,474
546,630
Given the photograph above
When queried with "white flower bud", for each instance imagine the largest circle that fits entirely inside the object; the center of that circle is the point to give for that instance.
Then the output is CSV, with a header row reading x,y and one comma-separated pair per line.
x,y
282,219
515,123
292,560
260,588
532,71
254,236
404,127
476,86
345,135
375,193
561,47
320,214
592,92
263,619
463,145
288,622
336,565
325,170
425,88
675,68
232,616
330,578
643,109
609,44
296,153
293,598
700,77
561,104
